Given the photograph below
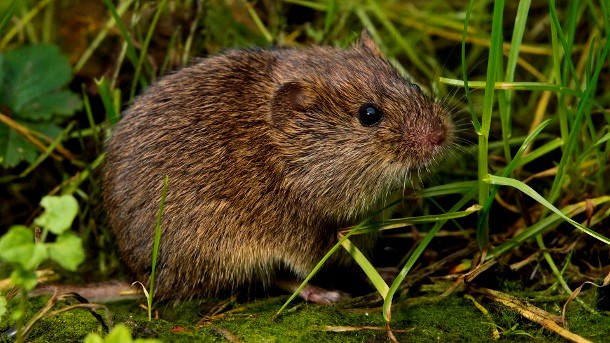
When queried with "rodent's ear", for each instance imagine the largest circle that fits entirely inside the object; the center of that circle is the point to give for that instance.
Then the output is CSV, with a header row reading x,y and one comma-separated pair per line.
x,y
290,97
368,44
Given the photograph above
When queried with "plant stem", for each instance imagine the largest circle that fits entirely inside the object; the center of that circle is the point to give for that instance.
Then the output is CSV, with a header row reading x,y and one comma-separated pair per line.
x,y
495,53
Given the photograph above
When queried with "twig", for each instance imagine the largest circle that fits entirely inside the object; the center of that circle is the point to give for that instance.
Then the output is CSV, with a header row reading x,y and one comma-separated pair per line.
x,y
533,313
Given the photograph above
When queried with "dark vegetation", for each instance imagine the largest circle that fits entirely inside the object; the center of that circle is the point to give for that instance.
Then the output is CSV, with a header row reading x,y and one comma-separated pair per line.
x,y
533,153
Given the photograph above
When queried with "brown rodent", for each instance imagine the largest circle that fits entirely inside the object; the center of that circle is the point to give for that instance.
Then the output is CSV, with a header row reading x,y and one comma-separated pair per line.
x,y
269,153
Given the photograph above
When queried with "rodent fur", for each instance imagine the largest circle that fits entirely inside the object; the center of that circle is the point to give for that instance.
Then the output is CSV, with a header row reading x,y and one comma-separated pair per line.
x,y
266,160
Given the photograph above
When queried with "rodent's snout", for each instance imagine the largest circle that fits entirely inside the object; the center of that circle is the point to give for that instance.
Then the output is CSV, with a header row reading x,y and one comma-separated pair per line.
x,y
427,140
431,135
437,135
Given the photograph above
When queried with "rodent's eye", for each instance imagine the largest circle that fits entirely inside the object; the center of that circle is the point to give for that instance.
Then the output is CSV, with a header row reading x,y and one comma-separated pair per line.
x,y
369,115
416,86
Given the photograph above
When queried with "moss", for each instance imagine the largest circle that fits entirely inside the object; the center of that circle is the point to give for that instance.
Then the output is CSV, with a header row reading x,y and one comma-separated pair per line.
x,y
453,319
595,327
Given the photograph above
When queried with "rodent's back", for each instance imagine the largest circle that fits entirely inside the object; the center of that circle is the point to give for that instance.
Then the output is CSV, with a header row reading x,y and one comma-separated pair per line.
x,y
192,126
266,160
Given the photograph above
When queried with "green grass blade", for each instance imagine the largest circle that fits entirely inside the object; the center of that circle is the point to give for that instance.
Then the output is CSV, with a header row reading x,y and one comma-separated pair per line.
x,y
602,140
541,151
473,115
89,114
318,6
144,49
131,50
515,44
397,35
331,11
8,15
402,222
318,266
573,135
567,47
95,43
513,55
322,261
450,188
529,86
367,267
156,243
48,150
503,181
22,22
511,166
259,23
528,140
495,53
104,89
387,303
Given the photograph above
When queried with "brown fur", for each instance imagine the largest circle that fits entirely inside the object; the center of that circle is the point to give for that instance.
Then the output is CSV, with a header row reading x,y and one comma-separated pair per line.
x,y
266,160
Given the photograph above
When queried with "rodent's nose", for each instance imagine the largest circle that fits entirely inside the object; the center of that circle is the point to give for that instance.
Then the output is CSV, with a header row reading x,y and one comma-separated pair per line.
x,y
437,137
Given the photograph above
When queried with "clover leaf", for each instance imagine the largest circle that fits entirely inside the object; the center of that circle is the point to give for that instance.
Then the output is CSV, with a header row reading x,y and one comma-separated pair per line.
x,y
67,251
59,213
17,246
24,278
119,334
32,82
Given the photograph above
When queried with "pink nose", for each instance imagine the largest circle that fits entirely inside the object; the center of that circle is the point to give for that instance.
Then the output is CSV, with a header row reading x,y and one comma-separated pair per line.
x,y
437,137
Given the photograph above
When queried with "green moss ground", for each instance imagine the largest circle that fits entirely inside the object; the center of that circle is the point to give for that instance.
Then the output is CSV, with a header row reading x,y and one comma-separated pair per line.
x,y
453,319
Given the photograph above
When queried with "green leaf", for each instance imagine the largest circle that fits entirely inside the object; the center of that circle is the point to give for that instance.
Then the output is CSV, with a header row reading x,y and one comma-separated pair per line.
x,y
59,213
63,103
33,71
17,246
24,278
120,334
31,82
67,251
93,338
14,148
16,236
146,340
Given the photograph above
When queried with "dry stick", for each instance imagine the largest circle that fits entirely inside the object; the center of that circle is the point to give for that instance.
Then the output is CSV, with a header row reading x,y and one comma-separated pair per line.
x,y
424,272
25,132
467,277
67,153
533,313
390,333
28,134
460,281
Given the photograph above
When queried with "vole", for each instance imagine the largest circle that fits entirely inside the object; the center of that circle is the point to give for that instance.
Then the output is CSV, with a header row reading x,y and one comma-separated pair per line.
x,y
268,153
